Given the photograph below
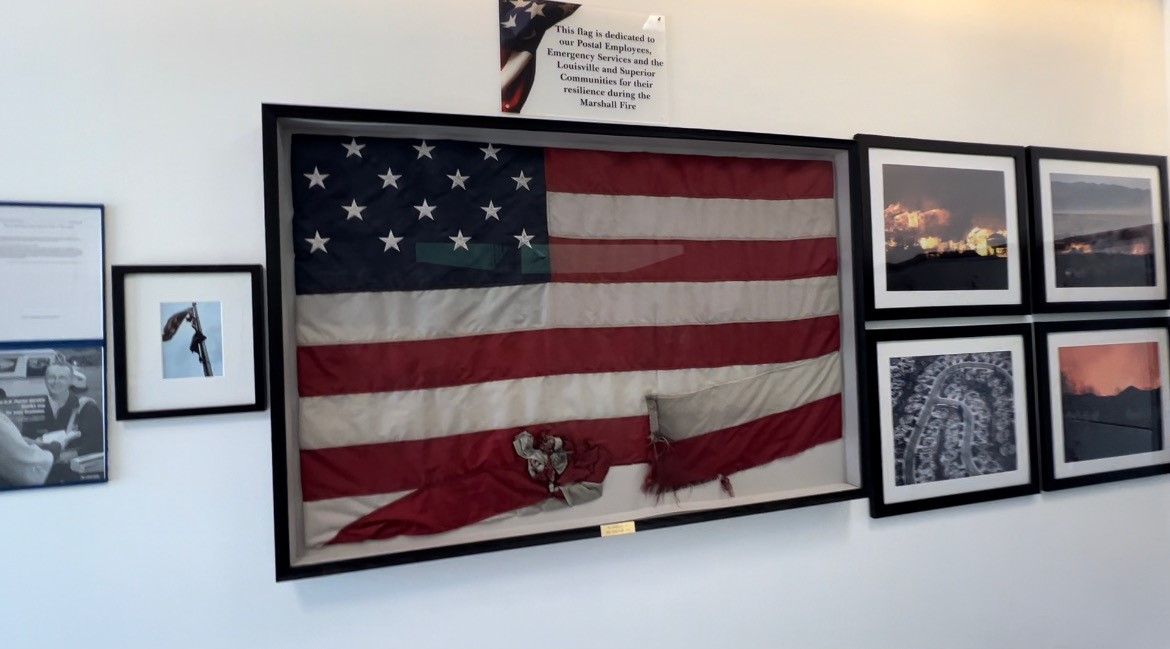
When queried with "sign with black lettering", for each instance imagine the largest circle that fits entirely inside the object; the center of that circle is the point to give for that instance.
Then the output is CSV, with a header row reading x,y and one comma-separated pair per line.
x,y
566,59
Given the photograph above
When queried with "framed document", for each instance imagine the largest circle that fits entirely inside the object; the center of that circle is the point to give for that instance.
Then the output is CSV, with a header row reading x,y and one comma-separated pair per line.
x,y
1099,232
188,340
52,345
941,228
52,262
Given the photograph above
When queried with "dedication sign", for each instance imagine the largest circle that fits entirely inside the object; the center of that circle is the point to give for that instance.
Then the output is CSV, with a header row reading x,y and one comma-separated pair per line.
x,y
565,59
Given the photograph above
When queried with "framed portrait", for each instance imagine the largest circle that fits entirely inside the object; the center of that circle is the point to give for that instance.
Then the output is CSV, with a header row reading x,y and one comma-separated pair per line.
x,y
488,333
1099,232
941,228
188,340
951,417
1104,404
52,414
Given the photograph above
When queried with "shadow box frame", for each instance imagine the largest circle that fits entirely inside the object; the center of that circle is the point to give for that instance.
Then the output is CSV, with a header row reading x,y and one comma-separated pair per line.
x,y
939,151
877,420
1102,160
1046,405
249,333
279,121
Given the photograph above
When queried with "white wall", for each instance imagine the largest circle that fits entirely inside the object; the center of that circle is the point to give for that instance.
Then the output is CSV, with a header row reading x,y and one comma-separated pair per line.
x,y
153,109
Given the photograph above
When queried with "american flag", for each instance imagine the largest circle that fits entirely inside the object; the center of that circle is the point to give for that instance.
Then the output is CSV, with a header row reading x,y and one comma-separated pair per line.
x,y
523,23
485,329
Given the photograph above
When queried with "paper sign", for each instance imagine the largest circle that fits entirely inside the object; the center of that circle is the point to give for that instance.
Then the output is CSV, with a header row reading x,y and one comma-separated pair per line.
x,y
618,529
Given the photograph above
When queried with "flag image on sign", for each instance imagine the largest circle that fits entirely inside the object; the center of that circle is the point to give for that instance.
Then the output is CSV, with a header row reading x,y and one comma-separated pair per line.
x,y
486,331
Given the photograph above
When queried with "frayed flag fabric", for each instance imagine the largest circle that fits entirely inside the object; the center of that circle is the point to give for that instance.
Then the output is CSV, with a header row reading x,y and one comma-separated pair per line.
x,y
485,331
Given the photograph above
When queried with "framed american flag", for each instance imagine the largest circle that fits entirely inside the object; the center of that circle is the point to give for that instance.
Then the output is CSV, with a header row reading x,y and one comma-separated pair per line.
x,y
488,333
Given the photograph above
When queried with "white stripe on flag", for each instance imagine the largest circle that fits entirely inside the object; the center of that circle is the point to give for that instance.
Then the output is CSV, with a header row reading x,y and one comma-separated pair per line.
x,y
682,416
599,216
372,418
416,315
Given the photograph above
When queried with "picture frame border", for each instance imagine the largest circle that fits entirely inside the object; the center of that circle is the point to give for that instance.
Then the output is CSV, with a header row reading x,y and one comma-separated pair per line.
x,y
119,274
272,116
103,342
878,508
863,238
1049,481
1040,302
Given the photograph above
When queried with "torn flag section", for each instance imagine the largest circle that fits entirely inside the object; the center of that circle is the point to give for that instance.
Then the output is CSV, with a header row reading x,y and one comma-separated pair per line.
x,y
480,326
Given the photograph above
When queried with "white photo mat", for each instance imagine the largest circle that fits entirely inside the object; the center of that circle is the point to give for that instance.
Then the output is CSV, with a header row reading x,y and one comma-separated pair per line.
x,y
1058,340
147,388
887,299
1053,293
888,350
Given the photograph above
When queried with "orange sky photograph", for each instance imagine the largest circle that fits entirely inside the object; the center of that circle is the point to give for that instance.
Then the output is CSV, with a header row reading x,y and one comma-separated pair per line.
x,y
1106,370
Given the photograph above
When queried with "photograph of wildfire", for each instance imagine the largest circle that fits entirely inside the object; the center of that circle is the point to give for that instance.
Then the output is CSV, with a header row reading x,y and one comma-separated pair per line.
x,y
945,228
1102,231
1111,400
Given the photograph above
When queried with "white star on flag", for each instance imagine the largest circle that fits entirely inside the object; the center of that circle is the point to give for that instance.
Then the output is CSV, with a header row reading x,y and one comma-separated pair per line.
x,y
424,210
353,210
424,150
460,241
525,239
316,179
491,210
353,148
522,181
510,23
535,10
458,180
391,241
490,151
317,242
389,179
519,3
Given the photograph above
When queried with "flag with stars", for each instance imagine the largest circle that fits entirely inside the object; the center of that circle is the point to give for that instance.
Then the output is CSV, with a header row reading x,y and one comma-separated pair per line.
x,y
523,23
486,330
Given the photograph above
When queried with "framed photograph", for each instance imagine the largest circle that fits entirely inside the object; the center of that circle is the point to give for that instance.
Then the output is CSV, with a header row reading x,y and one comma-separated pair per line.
x,y
52,414
1099,230
952,420
1104,405
488,333
940,229
188,340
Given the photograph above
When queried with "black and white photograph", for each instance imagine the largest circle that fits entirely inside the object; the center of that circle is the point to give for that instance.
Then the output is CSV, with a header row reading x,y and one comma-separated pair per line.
x,y
188,340
52,416
953,416
1099,231
199,323
1104,401
942,221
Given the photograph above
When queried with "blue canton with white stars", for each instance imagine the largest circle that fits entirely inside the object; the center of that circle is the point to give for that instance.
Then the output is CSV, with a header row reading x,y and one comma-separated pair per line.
x,y
382,214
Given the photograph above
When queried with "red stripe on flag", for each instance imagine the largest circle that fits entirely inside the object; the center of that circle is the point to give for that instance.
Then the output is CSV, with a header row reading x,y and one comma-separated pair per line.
x,y
470,499
724,452
399,466
650,174
647,260
382,367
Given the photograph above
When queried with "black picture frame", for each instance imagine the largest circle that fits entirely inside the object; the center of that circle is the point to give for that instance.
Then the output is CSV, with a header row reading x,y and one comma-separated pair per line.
x,y
1095,333
932,153
90,468
880,420
1100,297
251,310
277,117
